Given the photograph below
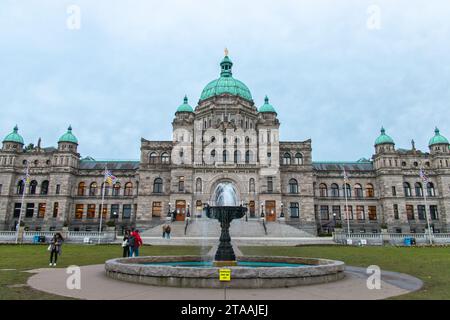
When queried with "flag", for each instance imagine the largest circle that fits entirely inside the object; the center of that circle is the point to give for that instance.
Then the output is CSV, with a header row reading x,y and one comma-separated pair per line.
x,y
109,177
26,179
423,175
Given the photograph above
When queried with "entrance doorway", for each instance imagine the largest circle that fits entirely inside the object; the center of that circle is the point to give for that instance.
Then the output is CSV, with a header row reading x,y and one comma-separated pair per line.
x,y
251,207
181,210
271,214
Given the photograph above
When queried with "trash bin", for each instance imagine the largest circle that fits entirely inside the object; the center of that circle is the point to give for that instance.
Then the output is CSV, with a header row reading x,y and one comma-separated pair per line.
x,y
42,239
407,242
413,241
36,239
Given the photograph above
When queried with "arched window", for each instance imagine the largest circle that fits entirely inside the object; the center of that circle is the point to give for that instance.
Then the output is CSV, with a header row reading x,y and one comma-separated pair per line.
x,y
293,186
198,185
116,189
323,190
213,155
430,189
44,187
407,189
251,185
224,156
334,190
93,189
248,156
158,185
165,158
153,158
286,159
237,156
358,191
33,187
418,188
348,190
20,187
81,188
298,158
107,186
370,193
128,190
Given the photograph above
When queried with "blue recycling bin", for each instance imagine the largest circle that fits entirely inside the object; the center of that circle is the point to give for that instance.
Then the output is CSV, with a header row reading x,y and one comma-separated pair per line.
x,y
36,239
407,241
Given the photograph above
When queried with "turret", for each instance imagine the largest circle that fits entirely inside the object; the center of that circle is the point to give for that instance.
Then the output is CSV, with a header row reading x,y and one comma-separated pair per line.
x,y
13,141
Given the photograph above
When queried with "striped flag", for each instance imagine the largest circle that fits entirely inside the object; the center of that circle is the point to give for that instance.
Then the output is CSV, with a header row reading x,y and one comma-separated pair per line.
x,y
423,176
109,177
26,179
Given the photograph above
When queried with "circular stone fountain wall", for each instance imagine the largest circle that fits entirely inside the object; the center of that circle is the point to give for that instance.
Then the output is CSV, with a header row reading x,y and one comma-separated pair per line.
x,y
141,270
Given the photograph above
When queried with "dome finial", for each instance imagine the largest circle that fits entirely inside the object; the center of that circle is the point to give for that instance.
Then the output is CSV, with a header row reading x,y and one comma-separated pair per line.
x,y
69,128
266,99
383,131
185,99
16,128
226,52
436,131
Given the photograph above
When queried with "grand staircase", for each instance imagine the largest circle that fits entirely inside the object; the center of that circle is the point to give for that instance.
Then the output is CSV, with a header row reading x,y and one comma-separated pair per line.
x,y
203,227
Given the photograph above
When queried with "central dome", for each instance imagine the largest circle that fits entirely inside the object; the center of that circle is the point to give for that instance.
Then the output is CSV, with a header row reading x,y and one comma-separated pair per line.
x,y
226,84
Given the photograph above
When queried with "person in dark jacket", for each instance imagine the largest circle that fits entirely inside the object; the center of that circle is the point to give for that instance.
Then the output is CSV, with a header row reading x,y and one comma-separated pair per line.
x,y
126,244
55,248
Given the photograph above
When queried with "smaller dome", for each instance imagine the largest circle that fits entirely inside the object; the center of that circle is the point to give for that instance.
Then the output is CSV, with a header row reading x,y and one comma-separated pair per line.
x,y
14,136
267,107
68,137
185,107
383,138
437,139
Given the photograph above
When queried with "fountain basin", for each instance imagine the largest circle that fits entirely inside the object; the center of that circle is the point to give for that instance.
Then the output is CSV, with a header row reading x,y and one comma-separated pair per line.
x,y
159,271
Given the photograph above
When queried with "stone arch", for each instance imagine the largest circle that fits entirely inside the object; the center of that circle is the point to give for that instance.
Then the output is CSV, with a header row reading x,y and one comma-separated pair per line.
x,y
212,183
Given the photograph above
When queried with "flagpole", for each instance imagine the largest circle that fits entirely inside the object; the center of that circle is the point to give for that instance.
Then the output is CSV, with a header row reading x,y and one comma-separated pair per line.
x,y
22,203
425,180
101,206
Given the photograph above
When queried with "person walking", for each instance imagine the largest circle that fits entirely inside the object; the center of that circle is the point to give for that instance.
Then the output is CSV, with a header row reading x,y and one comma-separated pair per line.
x,y
164,227
168,229
55,248
126,244
135,243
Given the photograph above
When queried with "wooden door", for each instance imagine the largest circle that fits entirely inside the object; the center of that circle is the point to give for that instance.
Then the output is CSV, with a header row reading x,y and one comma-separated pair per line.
x,y
271,213
181,210
251,207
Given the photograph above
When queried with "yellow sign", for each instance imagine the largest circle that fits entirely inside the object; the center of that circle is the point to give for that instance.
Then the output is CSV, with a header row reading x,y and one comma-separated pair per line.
x,y
224,274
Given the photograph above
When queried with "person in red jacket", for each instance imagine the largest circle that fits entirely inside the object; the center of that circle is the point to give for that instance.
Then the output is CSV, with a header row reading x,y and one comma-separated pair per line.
x,y
135,243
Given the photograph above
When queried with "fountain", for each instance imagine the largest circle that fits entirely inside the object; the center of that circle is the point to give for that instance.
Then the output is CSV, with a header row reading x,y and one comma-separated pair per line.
x,y
246,272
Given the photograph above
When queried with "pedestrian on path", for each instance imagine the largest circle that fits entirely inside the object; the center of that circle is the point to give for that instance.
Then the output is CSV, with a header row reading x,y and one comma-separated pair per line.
x,y
55,248
168,229
135,243
126,244
164,227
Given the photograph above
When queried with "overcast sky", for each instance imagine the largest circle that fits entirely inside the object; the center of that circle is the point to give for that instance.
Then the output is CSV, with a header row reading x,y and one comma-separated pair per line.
x,y
334,72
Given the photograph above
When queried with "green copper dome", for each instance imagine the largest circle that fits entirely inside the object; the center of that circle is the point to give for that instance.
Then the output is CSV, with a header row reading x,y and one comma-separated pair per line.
x,y
437,139
383,138
267,107
226,84
185,107
14,136
68,137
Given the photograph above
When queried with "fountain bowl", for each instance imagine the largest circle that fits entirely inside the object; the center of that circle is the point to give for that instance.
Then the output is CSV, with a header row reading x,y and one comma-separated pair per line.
x,y
169,271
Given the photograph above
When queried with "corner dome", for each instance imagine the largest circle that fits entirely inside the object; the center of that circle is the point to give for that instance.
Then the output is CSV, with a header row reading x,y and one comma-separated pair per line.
x,y
68,137
437,139
267,107
384,138
14,136
226,84
185,107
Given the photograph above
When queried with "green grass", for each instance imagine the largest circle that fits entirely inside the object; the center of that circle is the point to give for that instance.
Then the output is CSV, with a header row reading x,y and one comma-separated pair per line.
x,y
27,257
430,264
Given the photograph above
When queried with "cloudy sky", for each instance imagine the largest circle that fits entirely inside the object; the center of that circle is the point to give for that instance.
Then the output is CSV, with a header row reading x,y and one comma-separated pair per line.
x,y
334,70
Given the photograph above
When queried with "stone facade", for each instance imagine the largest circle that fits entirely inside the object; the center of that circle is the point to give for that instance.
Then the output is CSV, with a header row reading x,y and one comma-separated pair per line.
x,y
226,139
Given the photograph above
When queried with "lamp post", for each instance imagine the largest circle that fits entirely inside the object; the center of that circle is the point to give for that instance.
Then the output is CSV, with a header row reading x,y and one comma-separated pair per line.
x,y
334,220
188,214
282,210
262,209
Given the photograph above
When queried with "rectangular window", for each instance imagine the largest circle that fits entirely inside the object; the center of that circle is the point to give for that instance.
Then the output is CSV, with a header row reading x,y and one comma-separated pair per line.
x,y
126,211
105,211
294,209
434,212
336,210
30,210
157,209
17,207
269,184
41,210
394,192
114,211
372,213
181,184
90,211
324,214
79,208
58,189
348,212
396,215
360,212
55,209
410,212
421,212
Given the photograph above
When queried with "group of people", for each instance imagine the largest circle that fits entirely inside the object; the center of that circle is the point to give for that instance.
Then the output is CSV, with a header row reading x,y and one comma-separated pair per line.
x,y
166,231
131,243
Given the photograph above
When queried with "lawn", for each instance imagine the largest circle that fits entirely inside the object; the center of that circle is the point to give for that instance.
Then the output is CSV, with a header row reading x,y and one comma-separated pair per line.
x,y
431,265
27,257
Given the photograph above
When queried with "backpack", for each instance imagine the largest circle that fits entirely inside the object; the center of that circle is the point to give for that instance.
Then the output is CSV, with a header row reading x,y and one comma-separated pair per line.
x,y
132,241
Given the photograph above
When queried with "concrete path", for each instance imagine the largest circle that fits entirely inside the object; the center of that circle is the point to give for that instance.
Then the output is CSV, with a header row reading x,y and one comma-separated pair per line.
x,y
96,286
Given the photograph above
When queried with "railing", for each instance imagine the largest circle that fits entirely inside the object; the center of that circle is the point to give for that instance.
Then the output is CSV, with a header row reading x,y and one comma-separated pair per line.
x,y
390,238
70,236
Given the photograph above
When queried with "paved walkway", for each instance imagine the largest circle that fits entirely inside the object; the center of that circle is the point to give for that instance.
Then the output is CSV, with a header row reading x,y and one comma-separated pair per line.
x,y
96,286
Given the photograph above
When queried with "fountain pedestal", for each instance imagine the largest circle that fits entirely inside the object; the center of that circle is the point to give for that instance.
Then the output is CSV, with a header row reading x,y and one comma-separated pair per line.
x,y
225,254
